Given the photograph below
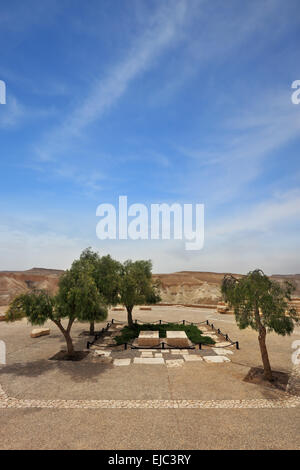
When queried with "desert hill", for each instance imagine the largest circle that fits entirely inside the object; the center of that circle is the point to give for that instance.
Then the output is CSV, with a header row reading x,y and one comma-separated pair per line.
x,y
184,287
190,287
13,283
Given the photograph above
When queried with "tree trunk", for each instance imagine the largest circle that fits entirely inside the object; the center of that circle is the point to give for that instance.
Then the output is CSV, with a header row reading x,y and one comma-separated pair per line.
x,y
263,348
70,347
129,316
66,333
264,353
92,328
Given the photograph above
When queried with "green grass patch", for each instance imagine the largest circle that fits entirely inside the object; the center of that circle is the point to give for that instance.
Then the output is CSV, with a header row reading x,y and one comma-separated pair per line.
x,y
195,336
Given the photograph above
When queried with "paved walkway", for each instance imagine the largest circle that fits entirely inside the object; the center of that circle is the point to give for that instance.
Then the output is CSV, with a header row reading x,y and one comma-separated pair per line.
x,y
87,403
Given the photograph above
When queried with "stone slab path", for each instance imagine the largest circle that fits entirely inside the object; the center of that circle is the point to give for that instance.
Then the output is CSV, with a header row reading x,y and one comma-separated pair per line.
x,y
289,399
170,357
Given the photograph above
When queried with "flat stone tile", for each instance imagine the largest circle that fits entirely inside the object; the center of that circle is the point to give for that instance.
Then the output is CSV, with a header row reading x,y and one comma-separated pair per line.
x,y
216,359
176,334
192,357
148,334
148,338
148,360
146,354
122,362
100,352
158,355
206,352
222,351
177,338
174,362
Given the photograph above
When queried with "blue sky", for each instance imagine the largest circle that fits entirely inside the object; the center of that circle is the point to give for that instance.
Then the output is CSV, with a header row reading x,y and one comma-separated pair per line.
x,y
183,101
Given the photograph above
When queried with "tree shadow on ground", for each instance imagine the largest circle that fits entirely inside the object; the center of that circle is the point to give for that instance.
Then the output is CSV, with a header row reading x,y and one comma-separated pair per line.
x,y
82,371
256,376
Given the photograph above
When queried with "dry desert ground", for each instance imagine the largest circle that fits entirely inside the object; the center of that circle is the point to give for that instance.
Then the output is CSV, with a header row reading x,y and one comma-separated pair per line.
x,y
176,403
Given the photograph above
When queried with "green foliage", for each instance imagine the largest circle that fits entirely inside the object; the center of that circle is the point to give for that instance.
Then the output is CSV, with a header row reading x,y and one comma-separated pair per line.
x,y
128,334
37,307
78,297
256,299
105,272
136,284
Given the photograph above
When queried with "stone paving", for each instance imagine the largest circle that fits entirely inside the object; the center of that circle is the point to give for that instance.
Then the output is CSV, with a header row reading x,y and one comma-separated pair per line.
x,y
216,359
166,357
288,401
171,358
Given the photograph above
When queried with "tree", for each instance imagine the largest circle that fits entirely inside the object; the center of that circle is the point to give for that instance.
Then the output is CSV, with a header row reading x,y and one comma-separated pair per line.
x,y
263,305
105,273
137,286
77,299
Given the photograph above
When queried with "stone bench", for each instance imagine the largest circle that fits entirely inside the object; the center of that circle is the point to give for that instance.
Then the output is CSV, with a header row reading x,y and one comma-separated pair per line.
x,y
177,339
148,338
40,332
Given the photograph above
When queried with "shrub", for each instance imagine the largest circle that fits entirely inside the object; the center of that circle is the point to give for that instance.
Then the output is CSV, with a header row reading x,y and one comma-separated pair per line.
x,y
128,334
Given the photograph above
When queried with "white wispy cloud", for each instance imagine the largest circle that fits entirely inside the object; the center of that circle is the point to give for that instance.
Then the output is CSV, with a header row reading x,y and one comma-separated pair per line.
x,y
263,236
105,92
215,36
21,250
14,113
11,113
263,217
242,143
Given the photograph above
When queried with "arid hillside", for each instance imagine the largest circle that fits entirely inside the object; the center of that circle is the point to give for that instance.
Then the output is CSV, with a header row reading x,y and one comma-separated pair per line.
x,y
190,287
203,288
184,287
16,282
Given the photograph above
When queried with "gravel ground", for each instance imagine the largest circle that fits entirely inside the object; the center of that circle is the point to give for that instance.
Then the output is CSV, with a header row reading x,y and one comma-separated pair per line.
x,y
207,406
